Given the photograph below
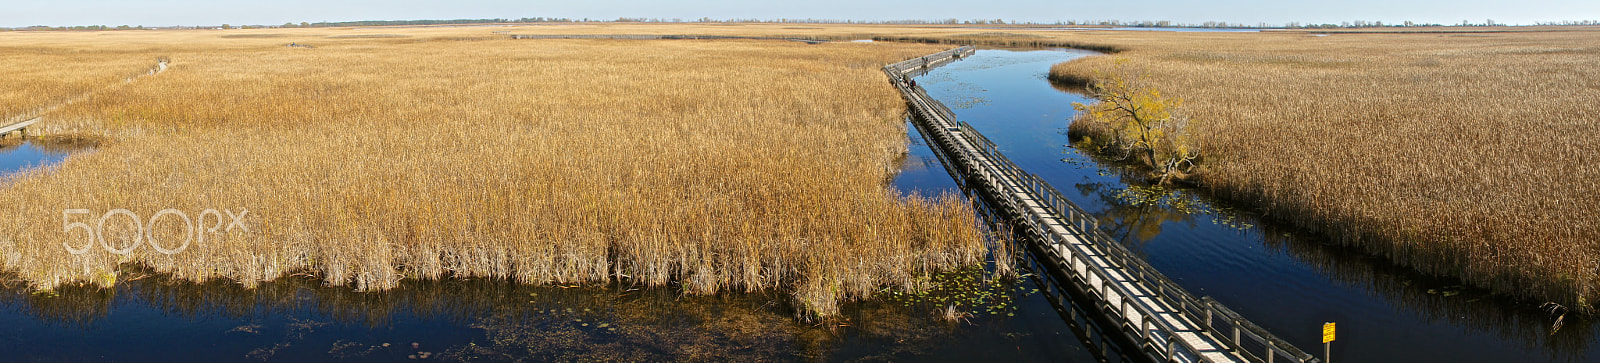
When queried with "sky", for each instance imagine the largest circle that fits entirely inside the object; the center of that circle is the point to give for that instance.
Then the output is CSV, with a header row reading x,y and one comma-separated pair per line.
x,y
20,13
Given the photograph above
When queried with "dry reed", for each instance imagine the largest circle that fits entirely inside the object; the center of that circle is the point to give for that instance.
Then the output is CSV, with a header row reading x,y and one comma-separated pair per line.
x,y
1462,155
37,78
706,165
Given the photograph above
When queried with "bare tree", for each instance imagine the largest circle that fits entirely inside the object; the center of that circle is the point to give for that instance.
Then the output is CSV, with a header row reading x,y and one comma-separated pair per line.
x,y
1143,125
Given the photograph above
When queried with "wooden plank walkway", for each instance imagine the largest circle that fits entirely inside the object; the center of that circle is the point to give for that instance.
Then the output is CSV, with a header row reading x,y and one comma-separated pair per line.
x,y
1167,322
161,66
20,127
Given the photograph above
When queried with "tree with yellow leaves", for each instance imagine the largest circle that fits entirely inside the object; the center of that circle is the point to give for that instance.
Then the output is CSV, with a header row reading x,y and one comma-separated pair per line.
x,y
1135,120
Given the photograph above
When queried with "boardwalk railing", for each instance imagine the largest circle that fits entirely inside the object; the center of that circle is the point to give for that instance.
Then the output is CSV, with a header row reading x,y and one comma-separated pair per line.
x,y
1166,321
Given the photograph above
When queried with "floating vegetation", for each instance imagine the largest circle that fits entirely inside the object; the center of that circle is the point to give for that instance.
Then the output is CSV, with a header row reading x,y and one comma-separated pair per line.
x,y
344,349
963,293
966,103
1447,291
295,331
1164,197
966,95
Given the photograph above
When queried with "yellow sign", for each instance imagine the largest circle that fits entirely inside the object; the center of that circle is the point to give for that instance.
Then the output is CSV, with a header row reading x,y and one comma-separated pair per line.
x,y
1327,332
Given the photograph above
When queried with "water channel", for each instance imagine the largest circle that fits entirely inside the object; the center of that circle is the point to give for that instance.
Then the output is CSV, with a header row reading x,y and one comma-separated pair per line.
x,y
1286,281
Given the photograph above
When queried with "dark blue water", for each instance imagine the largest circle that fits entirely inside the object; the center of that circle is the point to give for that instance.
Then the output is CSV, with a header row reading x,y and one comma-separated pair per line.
x,y
1284,280
295,319
921,172
28,155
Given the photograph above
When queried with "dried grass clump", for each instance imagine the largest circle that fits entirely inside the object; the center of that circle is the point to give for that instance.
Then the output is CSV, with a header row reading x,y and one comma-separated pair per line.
x,y
706,165
1470,157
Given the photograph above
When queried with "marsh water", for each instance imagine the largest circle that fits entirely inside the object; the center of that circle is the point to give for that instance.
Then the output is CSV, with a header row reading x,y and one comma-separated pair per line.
x,y
29,155
298,319
1286,281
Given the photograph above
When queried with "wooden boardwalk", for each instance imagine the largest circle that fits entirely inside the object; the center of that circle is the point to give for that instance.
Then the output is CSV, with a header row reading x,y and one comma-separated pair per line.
x,y
20,127
1163,320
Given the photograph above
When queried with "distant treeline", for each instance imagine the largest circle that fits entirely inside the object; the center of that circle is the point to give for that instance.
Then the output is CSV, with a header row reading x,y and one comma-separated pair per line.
x,y
951,21
320,24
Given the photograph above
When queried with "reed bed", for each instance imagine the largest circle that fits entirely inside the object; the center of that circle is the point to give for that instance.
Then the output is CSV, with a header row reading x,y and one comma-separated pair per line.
x,y
37,79
1463,155
703,165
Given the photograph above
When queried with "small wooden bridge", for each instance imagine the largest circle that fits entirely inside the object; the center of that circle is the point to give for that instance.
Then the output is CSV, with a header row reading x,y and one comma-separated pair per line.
x,y
20,127
1150,312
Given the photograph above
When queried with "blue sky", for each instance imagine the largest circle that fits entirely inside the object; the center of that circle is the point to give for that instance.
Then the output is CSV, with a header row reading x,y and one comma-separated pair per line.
x,y
16,13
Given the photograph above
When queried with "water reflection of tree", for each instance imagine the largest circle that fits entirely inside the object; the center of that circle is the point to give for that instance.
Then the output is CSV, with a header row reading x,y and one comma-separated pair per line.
x,y
1134,214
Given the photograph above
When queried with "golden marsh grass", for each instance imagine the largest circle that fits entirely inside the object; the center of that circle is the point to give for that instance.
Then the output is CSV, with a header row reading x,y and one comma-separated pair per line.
x,y
1463,155
40,79
706,165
